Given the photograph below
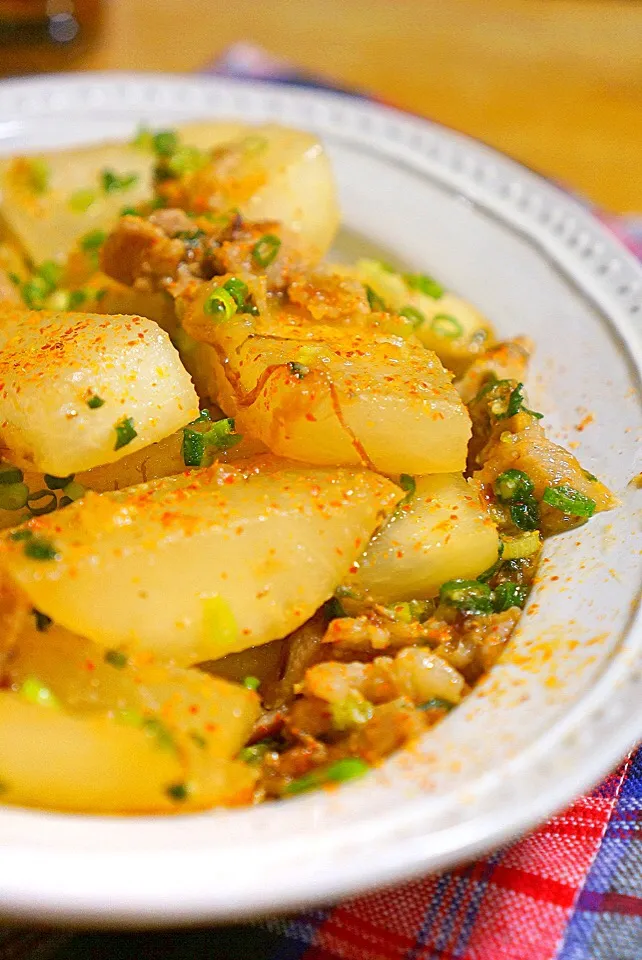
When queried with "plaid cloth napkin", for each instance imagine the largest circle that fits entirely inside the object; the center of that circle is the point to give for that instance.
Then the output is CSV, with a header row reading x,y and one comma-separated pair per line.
x,y
571,890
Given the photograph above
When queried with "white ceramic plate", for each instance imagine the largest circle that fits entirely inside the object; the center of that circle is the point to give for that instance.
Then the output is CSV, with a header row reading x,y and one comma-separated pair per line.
x,y
564,704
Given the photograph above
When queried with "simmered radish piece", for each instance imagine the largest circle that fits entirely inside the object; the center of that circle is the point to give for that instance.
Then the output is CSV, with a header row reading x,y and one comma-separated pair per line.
x,y
334,395
443,532
553,472
100,765
200,565
507,360
52,199
266,173
444,322
84,678
78,390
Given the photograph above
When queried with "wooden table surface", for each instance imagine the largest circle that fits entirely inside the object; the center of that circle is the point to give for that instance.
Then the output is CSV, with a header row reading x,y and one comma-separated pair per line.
x,y
555,83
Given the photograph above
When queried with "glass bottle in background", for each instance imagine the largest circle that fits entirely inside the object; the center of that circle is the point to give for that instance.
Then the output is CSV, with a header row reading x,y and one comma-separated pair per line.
x,y
46,35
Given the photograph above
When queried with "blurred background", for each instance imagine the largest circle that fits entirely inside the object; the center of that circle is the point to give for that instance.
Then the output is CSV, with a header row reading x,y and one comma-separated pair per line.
x,y
555,83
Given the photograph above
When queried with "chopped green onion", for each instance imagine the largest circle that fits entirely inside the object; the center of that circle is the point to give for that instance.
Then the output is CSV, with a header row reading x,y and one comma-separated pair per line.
x,y
251,683
116,658
238,290
51,273
299,370
444,325
219,623
129,212
186,160
590,476
19,535
34,292
409,484
333,609
74,490
221,435
522,546
385,267
193,448
41,502
569,500
42,621
525,515
220,304
100,295
143,138
36,548
415,316
82,200
57,483
15,279
338,772
351,712
76,299
35,692
256,751
39,174
94,402
13,496
179,792
125,432
265,250
469,596
516,405
10,474
346,769
374,300
309,781
424,284
436,703
112,181
64,502
93,240
488,574
507,595
198,739
157,729
513,485
165,142
203,417
407,611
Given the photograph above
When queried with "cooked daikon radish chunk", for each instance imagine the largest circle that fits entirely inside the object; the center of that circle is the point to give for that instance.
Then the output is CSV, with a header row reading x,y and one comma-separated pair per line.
x,y
444,322
200,565
267,172
52,199
331,394
79,390
50,758
84,678
443,531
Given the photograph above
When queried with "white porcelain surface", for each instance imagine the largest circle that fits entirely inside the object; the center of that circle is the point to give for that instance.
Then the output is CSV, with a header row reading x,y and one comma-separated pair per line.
x,y
565,703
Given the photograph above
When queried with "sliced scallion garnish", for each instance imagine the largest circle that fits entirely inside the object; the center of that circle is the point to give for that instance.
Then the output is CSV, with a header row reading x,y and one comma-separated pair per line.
x,y
445,325
569,501
125,432
265,250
